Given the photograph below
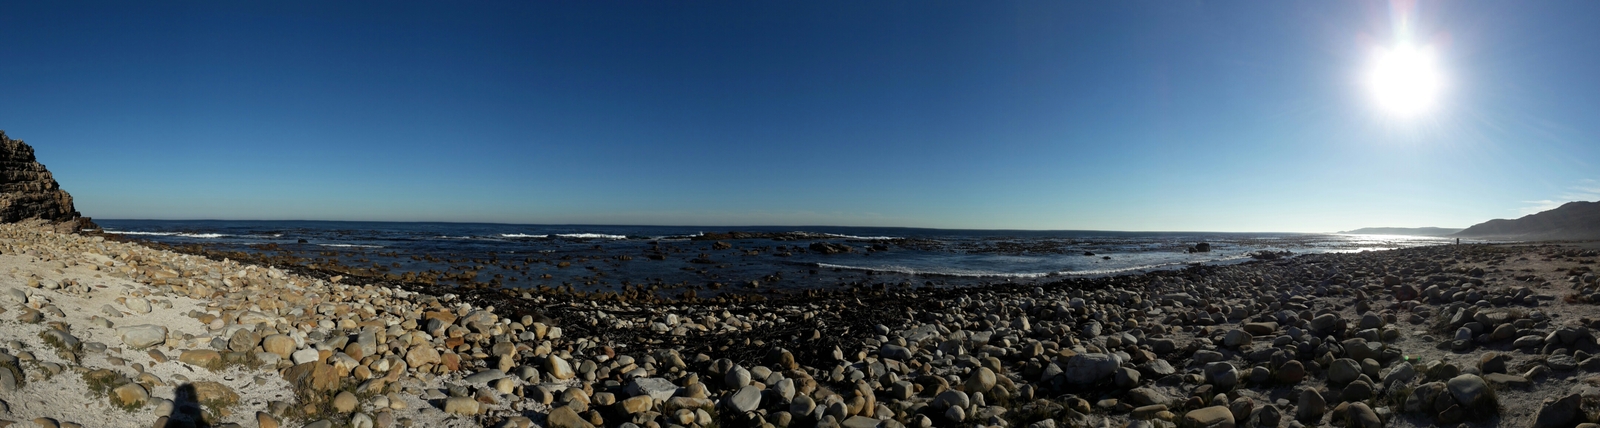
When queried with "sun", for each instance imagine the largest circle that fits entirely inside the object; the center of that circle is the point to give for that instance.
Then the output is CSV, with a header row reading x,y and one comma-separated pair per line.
x,y
1405,80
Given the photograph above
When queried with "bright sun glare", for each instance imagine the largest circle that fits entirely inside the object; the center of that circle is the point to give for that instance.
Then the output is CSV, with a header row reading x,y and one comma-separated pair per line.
x,y
1405,80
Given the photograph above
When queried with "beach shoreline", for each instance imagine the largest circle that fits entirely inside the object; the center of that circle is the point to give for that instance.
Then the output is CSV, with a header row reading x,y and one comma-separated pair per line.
x,y
1072,351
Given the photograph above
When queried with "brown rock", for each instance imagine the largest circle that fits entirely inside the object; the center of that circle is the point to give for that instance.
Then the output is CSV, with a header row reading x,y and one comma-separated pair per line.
x,y
312,376
421,354
205,358
635,405
132,395
212,392
243,340
266,420
345,402
280,344
465,406
450,361
565,417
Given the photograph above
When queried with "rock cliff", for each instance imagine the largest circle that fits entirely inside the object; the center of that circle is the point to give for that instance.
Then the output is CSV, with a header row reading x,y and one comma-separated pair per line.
x,y
28,191
1571,221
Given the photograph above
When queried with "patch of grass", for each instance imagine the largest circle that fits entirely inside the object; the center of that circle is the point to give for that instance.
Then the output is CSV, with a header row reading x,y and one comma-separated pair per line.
x,y
56,343
315,405
246,360
35,366
1396,399
102,381
127,407
16,372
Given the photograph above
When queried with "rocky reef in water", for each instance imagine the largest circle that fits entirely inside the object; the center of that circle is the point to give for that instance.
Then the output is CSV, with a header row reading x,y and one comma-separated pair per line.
x,y
28,191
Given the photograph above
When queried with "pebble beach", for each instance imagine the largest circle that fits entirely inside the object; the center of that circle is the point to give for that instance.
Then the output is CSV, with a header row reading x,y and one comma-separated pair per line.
x,y
101,333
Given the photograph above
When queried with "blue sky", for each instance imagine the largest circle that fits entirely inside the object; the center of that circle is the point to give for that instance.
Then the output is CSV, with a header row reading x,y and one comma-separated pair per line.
x,y
1161,115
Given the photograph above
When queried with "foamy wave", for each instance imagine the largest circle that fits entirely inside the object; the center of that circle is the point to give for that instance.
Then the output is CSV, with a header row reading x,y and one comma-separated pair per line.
x,y
522,235
860,238
185,235
351,246
678,237
590,236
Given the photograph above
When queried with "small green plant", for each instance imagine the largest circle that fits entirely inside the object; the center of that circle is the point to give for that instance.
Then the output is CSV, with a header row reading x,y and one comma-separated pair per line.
x,y
215,409
56,343
101,382
16,373
247,360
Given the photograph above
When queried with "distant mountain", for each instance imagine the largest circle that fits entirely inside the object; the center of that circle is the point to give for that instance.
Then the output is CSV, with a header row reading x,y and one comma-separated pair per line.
x,y
1571,221
1409,231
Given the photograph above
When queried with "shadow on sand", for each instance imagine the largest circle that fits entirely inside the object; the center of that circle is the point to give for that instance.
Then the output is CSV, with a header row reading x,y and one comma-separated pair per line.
x,y
186,410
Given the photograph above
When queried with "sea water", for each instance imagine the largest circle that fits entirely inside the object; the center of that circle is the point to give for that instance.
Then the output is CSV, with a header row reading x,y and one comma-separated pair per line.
x,y
595,257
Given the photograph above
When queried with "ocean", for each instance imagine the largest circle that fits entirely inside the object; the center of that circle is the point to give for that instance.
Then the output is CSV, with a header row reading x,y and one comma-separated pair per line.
x,y
601,258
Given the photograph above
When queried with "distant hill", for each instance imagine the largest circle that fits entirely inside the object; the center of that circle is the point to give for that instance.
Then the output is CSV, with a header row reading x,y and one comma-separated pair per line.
x,y
1571,221
1409,231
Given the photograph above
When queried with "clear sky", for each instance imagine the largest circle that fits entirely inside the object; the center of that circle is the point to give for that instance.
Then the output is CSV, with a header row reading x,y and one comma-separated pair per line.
x,y
1158,115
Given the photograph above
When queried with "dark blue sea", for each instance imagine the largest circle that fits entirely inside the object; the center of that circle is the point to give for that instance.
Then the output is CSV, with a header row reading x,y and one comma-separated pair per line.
x,y
592,257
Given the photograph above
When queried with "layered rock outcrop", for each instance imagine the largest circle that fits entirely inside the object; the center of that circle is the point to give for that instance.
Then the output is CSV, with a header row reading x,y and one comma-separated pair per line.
x,y
28,191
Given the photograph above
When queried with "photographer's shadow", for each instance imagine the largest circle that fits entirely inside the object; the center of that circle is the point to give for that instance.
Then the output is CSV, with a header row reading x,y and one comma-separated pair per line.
x,y
186,409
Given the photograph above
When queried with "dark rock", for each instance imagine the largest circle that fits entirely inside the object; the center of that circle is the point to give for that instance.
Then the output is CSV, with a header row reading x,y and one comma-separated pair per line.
x,y
1559,413
28,191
